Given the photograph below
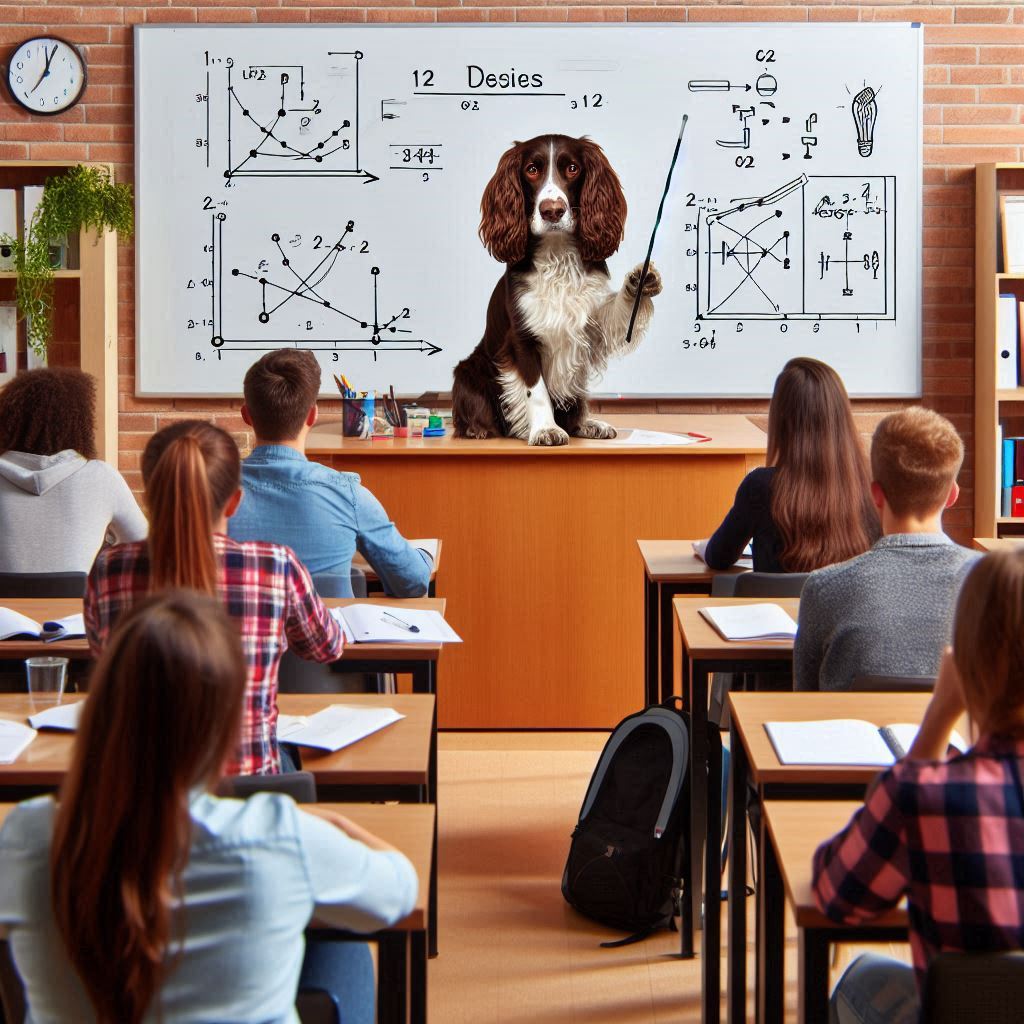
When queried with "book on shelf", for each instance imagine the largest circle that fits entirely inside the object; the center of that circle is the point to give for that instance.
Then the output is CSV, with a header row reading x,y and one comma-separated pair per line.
x,y
845,741
1007,342
15,626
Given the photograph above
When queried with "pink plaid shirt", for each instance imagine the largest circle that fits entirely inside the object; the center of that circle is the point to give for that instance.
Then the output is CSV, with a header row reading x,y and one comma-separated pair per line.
x,y
948,835
268,592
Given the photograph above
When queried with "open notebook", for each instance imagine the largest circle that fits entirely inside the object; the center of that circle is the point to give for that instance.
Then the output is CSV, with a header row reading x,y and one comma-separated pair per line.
x,y
334,727
392,624
759,620
844,741
15,626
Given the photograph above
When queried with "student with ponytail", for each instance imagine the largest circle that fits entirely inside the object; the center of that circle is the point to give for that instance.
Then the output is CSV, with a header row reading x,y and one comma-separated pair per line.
x,y
192,475
141,897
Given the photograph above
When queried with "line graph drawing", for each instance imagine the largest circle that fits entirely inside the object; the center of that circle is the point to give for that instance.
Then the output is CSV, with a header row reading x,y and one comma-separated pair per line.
x,y
279,124
815,248
308,300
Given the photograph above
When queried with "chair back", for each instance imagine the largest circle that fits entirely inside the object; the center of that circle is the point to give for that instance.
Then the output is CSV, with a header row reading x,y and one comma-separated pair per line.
x,y
12,992
42,584
300,786
968,988
893,684
769,584
298,676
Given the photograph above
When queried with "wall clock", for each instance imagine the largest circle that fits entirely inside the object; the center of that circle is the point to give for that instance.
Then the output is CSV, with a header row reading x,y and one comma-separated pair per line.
x,y
46,75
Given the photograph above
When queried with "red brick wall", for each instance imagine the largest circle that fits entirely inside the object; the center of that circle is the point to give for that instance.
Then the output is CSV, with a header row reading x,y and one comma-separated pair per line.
x,y
974,96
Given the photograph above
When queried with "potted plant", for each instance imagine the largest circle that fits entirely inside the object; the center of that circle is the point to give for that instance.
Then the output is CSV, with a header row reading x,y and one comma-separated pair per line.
x,y
81,197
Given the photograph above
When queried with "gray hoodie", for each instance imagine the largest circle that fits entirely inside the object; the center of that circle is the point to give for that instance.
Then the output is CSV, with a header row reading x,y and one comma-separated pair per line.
x,y
56,511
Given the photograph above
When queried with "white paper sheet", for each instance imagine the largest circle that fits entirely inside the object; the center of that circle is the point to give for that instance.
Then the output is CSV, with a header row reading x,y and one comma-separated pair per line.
x,y
655,438
369,623
760,620
64,717
337,726
14,738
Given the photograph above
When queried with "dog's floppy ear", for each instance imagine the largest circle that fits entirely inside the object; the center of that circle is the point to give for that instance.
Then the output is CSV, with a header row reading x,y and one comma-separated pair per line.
x,y
602,211
503,227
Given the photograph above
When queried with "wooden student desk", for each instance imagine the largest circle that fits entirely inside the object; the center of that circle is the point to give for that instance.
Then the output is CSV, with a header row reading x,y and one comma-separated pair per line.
x,y
999,543
793,831
402,948
755,766
703,652
670,569
419,660
539,548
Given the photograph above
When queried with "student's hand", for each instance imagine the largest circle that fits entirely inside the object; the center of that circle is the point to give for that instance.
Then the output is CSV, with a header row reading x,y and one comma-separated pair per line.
x,y
942,713
948,696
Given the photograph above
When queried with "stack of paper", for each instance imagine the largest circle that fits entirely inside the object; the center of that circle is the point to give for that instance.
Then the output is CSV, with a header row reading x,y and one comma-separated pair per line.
x,y
393,624
14,738
335,727
757,621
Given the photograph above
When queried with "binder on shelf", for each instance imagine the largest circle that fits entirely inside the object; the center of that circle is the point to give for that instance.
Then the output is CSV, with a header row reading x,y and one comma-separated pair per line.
x,y
8,225
1007,342
1017,501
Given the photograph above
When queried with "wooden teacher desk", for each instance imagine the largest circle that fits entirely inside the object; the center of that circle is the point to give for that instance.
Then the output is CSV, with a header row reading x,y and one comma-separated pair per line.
x,y
540,551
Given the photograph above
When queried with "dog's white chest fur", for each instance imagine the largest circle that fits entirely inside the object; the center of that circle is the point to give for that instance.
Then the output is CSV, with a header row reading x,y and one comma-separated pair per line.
x,y
557,301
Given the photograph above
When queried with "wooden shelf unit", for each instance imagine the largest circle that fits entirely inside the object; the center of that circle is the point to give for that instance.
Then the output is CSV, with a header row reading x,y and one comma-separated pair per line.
x,y
990,402
93,287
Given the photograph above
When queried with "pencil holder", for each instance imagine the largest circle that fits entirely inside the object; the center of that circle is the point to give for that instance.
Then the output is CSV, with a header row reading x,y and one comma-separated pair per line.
x,y
356,419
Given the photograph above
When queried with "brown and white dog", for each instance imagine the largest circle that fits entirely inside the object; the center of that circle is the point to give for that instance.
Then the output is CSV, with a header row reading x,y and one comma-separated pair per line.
x,y
553,212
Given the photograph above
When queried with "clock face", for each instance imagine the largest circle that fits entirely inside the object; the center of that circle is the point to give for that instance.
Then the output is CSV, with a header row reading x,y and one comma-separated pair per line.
x,y
46,75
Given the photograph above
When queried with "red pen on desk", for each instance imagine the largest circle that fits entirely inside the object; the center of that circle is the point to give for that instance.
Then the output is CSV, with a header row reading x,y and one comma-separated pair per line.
x,y
699,437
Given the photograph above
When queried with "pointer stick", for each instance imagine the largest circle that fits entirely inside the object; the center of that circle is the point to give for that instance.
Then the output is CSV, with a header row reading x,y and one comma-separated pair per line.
x,y
657,222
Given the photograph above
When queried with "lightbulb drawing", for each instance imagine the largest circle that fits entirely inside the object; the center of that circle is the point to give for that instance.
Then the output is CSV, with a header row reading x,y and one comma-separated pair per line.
x,y
865,113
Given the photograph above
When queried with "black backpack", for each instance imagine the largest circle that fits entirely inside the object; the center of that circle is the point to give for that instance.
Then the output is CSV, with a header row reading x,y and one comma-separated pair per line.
x,y
628,857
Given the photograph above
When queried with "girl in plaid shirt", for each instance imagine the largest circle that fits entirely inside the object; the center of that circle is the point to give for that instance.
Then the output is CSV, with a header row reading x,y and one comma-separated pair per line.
x,y
192,475
946,833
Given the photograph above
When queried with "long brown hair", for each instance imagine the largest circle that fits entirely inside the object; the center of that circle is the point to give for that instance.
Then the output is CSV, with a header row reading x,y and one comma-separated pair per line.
x,y
163,714
988,643
821,491
190,470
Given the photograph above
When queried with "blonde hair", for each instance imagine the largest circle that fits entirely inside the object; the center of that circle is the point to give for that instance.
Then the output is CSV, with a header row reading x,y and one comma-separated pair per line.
x,y
988,643
915,457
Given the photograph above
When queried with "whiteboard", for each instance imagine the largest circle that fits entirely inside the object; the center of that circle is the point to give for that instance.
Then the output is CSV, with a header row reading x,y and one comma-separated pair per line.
x,y
319,187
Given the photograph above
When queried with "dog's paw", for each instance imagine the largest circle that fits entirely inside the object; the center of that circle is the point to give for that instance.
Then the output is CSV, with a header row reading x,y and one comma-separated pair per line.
x,y
652,282
549,437
476,433
596,429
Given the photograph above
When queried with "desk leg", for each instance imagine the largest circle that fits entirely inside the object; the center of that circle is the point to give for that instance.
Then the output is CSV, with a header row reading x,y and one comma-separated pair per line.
x,y
423,680
737,983
771,960
651,598
813,975
392,978
418,978
698,782
432,798
711,949
665,629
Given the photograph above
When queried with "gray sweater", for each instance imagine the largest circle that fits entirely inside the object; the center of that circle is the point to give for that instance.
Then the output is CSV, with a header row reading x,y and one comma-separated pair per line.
x,y
886,612
57,510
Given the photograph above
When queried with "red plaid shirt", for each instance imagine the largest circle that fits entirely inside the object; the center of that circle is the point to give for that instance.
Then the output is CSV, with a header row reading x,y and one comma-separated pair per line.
x,y
267,590
948,835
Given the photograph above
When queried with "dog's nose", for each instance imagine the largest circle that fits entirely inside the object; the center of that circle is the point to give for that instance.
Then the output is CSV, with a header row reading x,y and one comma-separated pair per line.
x,y
552,210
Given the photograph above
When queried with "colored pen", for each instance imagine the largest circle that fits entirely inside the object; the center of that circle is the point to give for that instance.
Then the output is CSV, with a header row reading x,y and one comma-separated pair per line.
x,y
400,622
699,437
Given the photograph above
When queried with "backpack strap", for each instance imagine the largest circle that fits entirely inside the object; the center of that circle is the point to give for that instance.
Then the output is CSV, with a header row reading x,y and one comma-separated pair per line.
x,y
639,936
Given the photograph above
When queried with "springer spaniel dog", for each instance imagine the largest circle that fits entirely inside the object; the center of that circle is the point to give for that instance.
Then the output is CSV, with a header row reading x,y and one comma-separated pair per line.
x,y
553,212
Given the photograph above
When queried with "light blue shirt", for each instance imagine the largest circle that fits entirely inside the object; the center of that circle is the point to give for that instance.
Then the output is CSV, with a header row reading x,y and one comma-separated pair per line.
x,y
324,516
258,870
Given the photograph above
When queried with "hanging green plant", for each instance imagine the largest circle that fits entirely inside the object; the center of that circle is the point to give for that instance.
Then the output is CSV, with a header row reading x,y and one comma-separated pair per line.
x,y
80,198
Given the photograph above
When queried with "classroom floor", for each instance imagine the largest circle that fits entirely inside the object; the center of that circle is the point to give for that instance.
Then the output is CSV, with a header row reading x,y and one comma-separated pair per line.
x,y
511,950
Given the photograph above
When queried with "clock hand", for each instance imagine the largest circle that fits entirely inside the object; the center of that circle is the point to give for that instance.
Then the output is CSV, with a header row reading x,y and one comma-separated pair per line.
x,y
46,70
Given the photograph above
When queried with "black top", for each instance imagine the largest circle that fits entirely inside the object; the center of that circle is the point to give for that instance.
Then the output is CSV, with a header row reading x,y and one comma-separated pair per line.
x,y
749,519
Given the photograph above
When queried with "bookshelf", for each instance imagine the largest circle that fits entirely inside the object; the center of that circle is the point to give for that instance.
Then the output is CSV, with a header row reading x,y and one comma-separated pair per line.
x,y
992,405
85,306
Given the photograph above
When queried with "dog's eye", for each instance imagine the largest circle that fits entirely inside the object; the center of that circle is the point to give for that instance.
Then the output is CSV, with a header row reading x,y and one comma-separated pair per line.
x,y
532,171
572,170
